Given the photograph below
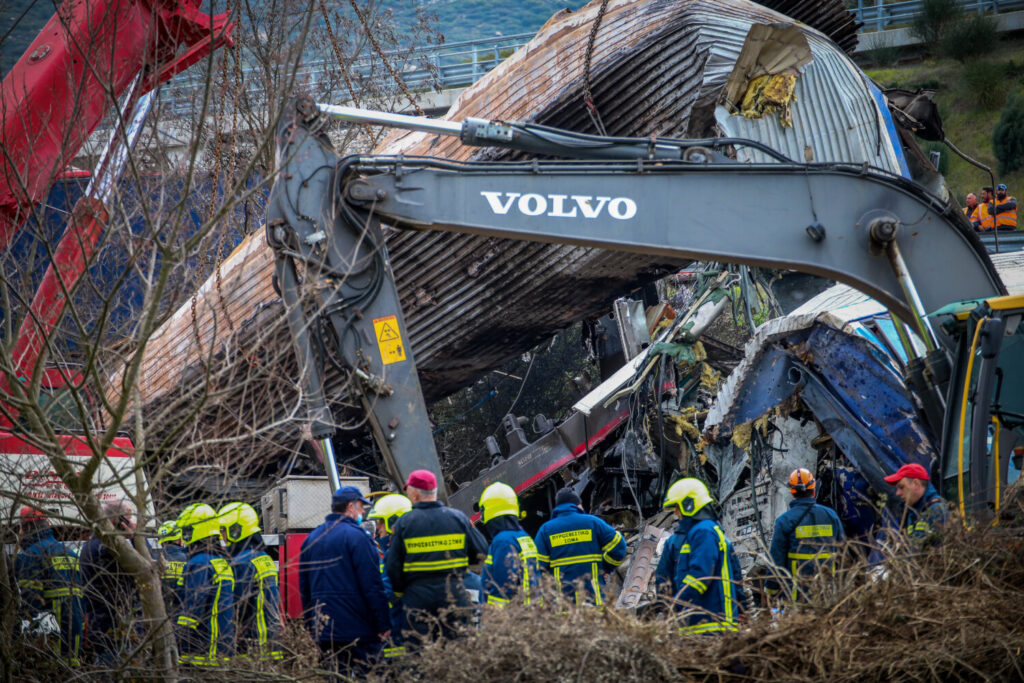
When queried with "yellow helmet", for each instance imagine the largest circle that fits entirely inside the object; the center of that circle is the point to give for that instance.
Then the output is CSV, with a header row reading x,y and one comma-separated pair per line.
x,y
690,494
389,508
168,532
498,499
198,521
239,521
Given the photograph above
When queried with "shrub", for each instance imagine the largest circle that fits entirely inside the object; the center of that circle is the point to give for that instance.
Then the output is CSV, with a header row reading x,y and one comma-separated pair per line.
x,y
986,84
936,17
884,53
1008,136
970,36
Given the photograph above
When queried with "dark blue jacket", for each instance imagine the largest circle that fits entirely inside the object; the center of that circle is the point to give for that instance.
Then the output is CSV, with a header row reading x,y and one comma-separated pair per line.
x,y
257,599
510,570
700,568
111,599
804,536
47,574
206,625
340,580
395,647
173,559
927,519
573,545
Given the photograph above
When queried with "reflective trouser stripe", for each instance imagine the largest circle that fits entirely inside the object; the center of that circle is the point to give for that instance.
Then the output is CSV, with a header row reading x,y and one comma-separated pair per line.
x,y
710,627
392,652
596,583
495,600
726,575
795,559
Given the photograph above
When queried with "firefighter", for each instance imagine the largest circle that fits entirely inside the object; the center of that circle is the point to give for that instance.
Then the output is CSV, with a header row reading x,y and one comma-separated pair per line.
x,y
578,549
1005,209
386,512
698,564
206,627
926,512
343,599
510,570
431,550
257,597
804,535
48,577
172,563
112,606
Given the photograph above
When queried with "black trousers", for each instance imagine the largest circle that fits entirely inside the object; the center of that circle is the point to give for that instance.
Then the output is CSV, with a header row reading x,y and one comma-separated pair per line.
x,y
436,607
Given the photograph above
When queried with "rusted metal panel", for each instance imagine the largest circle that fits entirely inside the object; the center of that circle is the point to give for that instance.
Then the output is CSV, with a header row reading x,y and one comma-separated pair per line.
x,y
473,302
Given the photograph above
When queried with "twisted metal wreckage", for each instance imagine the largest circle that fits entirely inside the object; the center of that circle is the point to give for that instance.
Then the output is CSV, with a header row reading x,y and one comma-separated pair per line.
x,y
812,388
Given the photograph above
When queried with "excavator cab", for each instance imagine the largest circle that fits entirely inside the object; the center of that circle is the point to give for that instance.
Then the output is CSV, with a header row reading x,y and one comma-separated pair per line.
x,y
983,433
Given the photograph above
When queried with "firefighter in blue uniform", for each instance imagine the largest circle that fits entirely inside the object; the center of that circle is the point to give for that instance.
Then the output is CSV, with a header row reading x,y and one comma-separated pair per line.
x,y
172,564
511,569
927,514
257,597
386,512
206,624
806,537
431,549
47,574
578,549
698,566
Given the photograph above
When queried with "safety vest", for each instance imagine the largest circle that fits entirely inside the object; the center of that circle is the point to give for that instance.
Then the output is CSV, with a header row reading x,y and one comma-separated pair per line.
x,y
984,217
1006,213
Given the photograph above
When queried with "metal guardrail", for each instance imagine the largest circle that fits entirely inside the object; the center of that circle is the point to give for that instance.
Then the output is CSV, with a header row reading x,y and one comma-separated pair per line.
x,y
877,14
459,65
1008,241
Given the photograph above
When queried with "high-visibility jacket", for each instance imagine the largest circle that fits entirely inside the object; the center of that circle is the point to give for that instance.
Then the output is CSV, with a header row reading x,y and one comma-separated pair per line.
x,y
510,570
173,559
1006,213
806,538
579,547
48,577
257,599
206,625
983,216
926,519
700,568
971,212
396,647
432,542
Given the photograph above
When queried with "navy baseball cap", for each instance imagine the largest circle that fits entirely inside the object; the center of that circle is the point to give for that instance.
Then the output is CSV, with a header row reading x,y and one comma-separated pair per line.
x,y
346,494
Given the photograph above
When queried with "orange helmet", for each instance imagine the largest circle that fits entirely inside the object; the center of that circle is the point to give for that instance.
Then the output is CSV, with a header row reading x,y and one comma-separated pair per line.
x,y
801,481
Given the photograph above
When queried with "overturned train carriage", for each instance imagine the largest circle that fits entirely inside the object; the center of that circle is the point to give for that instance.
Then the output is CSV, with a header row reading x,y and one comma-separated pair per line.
x,y
778,72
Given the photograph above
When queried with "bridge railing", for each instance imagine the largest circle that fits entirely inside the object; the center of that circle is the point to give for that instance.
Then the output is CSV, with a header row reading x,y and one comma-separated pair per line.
x,y
458,65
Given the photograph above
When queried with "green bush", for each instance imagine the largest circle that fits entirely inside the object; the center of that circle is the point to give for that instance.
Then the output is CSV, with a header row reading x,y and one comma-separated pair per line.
x,y
970,36
1008,136
935,19
986,83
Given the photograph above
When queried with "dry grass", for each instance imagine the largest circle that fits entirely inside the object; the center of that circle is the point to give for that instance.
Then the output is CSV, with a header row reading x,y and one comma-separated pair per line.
x,y
956,613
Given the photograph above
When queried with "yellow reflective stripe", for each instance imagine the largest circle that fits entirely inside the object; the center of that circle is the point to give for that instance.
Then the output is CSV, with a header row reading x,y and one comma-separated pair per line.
x,y
575,559
261,617
62,592
436,565
685,549
710,627
527,547
595,581
569,537
809,556
432,544
188,621
390,652
614,563
695,584
814,531
495,600
31,584
264,566
543,558
489,560
726,575
612,543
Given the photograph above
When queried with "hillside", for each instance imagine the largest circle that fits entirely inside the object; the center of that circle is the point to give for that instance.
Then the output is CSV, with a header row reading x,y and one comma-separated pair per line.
x,y
970,98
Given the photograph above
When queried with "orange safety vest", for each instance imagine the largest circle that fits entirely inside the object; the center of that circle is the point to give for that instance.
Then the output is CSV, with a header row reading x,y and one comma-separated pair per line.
x,y
1006,218
982,215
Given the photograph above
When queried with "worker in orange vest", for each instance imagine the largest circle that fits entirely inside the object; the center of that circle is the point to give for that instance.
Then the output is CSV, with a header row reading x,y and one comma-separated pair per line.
x,y
985,214
1005,209
971,210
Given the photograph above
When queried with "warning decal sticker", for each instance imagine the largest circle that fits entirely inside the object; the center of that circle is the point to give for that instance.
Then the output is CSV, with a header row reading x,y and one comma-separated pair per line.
x,y
389,339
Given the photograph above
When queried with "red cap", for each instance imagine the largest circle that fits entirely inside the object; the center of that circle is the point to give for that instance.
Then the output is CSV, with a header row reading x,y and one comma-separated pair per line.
x,y
423,480
912,470
30,514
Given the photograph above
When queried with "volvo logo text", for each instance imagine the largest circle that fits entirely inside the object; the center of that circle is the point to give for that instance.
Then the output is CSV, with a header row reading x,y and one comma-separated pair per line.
x,y
560,205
